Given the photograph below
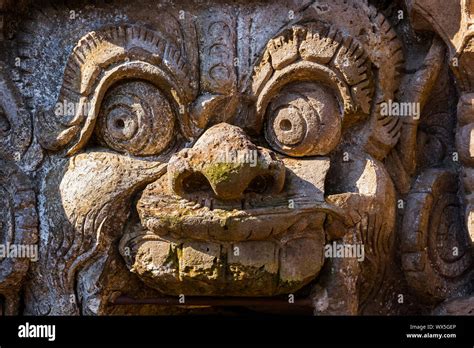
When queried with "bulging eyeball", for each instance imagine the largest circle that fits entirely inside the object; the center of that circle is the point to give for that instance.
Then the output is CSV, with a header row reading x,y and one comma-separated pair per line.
x,y
136,118
304,119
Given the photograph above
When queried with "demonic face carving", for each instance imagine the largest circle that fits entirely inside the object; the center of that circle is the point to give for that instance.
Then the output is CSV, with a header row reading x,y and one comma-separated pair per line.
x,y
201,218
218,154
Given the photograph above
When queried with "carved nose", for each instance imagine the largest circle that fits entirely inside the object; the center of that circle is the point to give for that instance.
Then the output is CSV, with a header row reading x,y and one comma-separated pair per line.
x,y
226,162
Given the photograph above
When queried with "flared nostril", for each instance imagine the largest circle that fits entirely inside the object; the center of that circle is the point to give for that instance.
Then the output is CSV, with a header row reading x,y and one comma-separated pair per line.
x,y
261,184
196,182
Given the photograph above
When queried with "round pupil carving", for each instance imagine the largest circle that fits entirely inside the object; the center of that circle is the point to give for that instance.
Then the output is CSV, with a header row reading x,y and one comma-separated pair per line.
x,y
135,117
289,126
285,125
120,123
304,119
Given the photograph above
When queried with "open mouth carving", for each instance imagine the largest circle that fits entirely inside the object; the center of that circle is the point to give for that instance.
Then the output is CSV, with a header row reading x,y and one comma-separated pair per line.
x,y
231,260
256,244
238,230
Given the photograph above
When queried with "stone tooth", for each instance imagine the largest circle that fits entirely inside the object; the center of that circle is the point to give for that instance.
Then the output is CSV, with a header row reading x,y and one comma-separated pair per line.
x,y
256,254
200,261
155,259
251,261
301,260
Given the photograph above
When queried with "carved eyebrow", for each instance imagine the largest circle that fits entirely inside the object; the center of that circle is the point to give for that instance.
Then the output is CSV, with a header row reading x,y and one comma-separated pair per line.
x,y
100,59
316,52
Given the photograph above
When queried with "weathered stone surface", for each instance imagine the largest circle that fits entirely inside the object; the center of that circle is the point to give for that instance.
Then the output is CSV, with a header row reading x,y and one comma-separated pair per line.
x,y
457,306
18,232
436,250
224,148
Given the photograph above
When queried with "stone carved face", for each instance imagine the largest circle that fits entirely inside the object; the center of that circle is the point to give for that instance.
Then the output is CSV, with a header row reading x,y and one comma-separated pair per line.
x,y
211,151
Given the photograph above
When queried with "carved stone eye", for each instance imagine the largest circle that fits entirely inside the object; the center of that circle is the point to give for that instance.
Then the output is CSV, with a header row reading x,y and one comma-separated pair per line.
x,y
137,118
304,119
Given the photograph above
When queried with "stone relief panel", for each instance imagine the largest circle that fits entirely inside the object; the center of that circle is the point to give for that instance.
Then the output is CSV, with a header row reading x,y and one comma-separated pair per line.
x,y
157,153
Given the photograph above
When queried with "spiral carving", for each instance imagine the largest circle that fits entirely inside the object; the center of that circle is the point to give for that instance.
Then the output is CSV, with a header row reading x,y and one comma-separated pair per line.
x,y
304,120
136,118
436,251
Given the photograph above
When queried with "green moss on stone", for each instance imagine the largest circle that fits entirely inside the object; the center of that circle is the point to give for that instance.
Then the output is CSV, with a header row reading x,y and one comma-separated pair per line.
x,y
220,171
